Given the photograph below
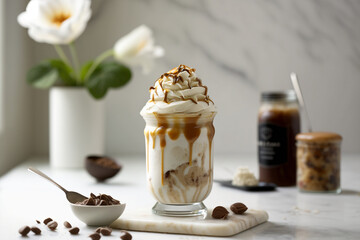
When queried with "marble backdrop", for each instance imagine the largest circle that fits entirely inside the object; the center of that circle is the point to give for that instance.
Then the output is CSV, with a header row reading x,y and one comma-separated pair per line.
x,y
239,48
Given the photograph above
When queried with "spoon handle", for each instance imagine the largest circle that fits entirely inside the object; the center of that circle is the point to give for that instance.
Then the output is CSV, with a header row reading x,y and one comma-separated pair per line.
x,y
296,85
38,172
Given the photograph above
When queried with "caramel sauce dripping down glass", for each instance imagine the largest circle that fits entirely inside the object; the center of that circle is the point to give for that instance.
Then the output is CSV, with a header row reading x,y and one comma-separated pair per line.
x,y
179,161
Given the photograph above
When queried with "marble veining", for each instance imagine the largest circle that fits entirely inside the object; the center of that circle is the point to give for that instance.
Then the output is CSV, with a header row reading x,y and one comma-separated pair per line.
x,y
292,214
144,220
240,48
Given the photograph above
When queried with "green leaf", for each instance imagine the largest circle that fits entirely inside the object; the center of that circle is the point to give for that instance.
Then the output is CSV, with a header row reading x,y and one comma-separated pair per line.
x,y
84,70
64,72
107,75
43,75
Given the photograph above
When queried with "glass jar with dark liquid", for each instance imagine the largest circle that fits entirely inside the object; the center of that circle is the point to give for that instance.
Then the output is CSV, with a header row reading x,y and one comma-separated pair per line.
x,y
278,124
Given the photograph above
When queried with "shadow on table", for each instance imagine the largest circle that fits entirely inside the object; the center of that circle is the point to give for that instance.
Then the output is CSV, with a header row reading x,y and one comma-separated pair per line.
x,y
349,192
272,230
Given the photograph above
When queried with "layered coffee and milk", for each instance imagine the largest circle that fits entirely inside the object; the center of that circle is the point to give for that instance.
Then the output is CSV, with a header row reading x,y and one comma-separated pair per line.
x,y
179,135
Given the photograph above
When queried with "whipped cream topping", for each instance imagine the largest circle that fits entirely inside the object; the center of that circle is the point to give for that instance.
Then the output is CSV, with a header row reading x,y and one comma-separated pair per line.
x,y
178,91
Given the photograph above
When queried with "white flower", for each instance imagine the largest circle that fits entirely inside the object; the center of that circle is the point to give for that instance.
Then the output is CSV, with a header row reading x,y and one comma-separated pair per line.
x,y
55,21
137,48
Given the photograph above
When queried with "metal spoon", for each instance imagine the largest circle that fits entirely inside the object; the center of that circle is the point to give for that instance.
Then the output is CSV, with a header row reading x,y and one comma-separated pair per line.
x,y
296,85
72,197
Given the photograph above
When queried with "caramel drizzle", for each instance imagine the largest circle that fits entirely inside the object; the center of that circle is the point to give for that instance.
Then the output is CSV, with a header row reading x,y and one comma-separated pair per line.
x,y
165,95
191,132
210,134
161,132
185,99
147,149
176,79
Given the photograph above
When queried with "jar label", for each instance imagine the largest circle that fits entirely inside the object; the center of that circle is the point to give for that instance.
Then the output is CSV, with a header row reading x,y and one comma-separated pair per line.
x,y
272,144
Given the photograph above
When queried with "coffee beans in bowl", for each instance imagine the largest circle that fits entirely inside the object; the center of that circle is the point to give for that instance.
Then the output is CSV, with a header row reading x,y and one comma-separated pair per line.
x,y
99,210
101,167
100,200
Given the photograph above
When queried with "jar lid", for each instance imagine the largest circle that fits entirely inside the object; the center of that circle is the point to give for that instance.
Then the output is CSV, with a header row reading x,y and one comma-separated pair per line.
x,y
288,95
318,137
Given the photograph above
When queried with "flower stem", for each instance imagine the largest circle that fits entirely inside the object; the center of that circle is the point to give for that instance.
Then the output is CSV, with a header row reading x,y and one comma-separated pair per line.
x,y
75,60
97,61
61,54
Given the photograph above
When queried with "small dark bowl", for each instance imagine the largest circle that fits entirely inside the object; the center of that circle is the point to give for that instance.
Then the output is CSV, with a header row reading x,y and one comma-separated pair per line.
x,y
100,171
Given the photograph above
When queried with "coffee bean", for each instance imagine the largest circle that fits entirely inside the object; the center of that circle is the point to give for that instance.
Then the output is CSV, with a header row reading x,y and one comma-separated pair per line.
x,y
67,224
74,230
46,221
52,225
95,236
24,230
98,229
36,230
238,208
126,235
37,221
100,200
106,231
220,213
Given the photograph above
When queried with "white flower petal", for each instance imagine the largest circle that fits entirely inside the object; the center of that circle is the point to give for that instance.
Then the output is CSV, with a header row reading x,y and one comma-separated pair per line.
x,y
55,21
138,48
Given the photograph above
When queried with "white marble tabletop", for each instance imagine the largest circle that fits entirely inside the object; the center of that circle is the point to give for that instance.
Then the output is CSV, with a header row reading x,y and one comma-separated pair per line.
x,y
25,197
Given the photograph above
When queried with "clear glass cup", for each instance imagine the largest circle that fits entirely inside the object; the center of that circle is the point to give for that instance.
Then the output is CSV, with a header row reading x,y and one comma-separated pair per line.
x,y
318,162
179,161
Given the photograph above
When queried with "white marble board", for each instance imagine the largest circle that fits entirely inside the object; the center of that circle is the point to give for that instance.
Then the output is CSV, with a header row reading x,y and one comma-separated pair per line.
x,y
148,222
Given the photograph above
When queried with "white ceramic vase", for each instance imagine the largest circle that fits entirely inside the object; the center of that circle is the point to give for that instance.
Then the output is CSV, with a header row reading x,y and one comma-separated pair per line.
x,y
76,126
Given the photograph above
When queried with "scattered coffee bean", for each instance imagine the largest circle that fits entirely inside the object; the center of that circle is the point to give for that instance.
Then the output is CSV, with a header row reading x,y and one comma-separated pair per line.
x,y
46,221
52,225
98,229
37,221
35,230
95,236
74,230
238,208
67,224
106,231
126,235
220,213
24,230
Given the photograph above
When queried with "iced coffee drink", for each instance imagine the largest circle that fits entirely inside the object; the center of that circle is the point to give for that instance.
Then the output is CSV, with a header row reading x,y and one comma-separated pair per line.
x,y
179,136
